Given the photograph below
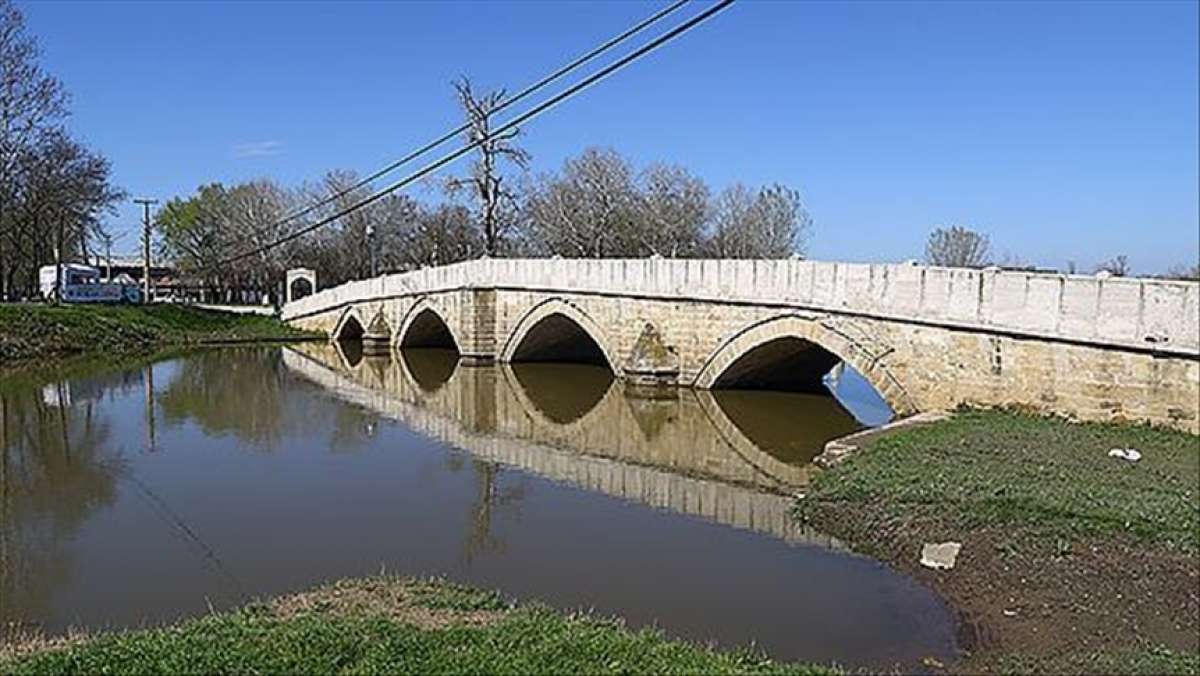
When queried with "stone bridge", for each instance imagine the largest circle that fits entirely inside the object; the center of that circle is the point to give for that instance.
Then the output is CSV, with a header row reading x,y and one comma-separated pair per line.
x,y
926,338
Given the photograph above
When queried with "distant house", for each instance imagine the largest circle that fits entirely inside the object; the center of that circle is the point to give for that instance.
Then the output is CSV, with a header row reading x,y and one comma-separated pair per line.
x,y
132,266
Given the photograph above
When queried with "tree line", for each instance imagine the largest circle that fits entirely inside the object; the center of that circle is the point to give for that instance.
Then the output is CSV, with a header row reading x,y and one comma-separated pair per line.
x,y
54,191
961,247
599,204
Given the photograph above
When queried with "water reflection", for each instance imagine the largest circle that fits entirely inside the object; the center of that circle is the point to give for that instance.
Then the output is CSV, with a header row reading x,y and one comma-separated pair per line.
x,y
430,367
563,393
199,393
55,471
273,470
763,440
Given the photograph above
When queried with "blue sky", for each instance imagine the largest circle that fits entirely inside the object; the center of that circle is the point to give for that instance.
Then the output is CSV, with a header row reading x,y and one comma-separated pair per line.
x,y
1067,131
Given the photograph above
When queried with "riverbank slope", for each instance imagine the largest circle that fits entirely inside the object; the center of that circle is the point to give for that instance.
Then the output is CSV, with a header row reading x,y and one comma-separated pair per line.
x,y
386,625
29,332
1071,560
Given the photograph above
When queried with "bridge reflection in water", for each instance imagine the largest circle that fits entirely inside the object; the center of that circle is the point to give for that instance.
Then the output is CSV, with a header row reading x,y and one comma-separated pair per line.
x,y
727,456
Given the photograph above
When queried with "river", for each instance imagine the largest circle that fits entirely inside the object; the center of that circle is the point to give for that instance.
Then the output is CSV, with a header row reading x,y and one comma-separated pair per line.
x,y
143,494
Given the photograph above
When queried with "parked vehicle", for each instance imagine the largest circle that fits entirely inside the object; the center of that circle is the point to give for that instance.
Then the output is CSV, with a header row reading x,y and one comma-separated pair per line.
x,y
81,284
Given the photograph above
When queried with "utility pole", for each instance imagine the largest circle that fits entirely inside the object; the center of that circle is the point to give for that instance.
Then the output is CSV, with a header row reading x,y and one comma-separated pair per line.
x,y
145,246
371,247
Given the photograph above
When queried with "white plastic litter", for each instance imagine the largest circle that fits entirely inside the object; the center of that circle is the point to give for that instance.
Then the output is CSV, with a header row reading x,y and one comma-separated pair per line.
x,y
940,556
1130,454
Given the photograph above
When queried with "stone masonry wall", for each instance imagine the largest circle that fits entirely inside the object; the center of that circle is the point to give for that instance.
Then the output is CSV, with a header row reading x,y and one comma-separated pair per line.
x,y
926,338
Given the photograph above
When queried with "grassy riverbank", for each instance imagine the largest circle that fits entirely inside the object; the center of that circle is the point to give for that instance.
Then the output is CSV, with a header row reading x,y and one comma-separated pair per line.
x,y
1071,561
386,625
30,332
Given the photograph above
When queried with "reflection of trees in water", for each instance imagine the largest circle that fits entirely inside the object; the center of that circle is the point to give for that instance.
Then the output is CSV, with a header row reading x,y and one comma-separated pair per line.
x,y
55,471
489,497
247,392
237,391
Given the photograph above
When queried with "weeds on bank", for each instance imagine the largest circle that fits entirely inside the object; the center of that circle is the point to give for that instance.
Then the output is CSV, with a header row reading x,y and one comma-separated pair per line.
x,y
323,637
1044,475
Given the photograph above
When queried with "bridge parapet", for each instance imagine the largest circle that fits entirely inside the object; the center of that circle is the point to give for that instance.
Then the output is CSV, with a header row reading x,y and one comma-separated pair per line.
x,y
1144,314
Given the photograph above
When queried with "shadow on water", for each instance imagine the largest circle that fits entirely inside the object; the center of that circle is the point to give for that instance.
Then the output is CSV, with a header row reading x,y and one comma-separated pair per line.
x,y
547,481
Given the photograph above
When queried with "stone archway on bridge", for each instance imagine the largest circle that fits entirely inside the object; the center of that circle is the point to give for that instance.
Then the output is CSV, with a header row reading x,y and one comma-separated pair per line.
x,y
557,330
349,326
300,282
426,325
768,353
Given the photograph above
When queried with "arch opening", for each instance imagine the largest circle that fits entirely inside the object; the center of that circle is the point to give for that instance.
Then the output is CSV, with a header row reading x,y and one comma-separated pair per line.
x,y
787,364
797,365
350,330
428,330
558,338
300,288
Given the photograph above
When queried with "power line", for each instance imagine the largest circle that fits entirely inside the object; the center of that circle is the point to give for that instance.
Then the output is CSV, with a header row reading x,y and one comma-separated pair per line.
x,y
532,113
520,96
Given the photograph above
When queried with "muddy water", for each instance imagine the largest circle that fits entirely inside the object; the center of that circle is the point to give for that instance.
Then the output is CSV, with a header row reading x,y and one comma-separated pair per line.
x,y
145,494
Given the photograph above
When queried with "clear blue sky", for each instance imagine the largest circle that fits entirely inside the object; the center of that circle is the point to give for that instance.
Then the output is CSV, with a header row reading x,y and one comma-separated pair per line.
x,y
1064,130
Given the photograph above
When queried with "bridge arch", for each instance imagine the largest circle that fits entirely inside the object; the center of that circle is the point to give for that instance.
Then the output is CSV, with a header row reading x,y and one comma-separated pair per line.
x,y
557,330
795,352
350,326
425,325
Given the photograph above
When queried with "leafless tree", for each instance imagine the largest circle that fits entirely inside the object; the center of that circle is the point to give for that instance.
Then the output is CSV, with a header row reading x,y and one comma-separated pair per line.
x,y
61,192
1184,272
599,206
496,203
768,223
1117,266
32,104
957,247
671,213
588,210
439,236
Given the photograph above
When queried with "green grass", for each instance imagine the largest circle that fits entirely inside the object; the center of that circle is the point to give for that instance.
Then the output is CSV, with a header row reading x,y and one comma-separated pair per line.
x,y
1047,476
323,635
39,331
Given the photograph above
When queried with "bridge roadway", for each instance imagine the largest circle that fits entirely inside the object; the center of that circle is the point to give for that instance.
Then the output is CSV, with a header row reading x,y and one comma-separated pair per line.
x,y
927,338
686,457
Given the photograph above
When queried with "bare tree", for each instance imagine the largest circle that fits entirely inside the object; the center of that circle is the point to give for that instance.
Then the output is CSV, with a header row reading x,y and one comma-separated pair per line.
x,y
496,202
768,223
671,213
439,236
32,103
62,192
1184,272
588,210
1117,266
957,247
